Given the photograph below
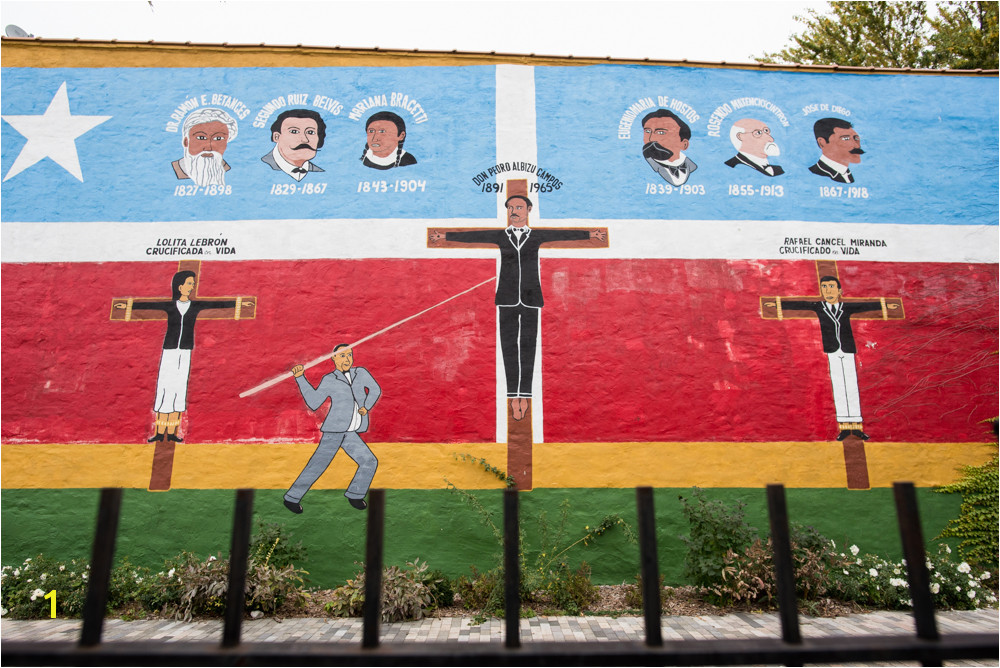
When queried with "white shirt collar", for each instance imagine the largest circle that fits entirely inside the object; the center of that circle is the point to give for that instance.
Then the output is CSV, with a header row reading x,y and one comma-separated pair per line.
x,y
674,163
286,166
387,160
834,165
760,162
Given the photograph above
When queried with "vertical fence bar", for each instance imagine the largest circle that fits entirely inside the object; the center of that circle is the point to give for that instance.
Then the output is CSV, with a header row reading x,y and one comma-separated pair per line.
x,y
239,551
372,612
649,566
100,566
511,569
784,572
916,559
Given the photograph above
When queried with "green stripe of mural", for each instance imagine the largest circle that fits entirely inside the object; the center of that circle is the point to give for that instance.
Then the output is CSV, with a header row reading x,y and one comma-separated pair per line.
x,y
434,525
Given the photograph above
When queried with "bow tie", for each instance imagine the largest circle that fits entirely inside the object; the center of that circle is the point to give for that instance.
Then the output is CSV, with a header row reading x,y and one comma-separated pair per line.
x,y
299,170
677,171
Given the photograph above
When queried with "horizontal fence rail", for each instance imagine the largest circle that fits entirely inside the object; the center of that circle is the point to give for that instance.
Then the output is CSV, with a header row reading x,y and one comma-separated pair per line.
x,y
926,646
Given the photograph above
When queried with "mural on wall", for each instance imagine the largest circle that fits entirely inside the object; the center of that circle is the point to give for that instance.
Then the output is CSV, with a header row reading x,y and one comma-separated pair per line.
x,y
181,312
297,135
665,137
834,314
205,135
386,132
672,292
754,147
352,393
841,147
519,291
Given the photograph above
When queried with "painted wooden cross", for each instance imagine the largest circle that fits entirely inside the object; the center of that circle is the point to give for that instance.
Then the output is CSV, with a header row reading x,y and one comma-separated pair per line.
x,y
835,312
129,309
519,304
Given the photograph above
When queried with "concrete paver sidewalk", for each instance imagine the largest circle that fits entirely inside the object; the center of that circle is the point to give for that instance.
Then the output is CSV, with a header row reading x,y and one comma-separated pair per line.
x,y
533,630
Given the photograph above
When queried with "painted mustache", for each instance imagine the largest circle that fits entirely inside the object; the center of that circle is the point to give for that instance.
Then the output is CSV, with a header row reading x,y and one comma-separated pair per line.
x,y
301,146
653,150
857,151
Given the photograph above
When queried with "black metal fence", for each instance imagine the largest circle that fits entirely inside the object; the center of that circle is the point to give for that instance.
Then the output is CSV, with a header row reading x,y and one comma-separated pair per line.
x,y
926,646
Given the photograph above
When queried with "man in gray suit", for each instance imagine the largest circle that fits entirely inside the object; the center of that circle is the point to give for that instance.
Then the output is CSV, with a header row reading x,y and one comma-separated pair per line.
x,y
352,393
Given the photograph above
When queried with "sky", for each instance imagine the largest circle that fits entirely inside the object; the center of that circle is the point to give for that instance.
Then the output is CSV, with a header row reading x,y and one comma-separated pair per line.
x,y
657,29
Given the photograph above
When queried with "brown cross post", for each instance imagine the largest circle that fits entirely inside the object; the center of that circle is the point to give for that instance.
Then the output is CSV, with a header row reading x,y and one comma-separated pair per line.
x,y
163,454
520,440
855,460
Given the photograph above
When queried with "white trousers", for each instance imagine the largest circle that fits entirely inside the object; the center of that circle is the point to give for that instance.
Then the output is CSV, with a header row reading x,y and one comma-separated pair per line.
x,y
844,377
172,382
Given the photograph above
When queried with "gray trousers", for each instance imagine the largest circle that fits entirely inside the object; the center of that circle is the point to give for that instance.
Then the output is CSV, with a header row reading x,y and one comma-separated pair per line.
x,y
331,442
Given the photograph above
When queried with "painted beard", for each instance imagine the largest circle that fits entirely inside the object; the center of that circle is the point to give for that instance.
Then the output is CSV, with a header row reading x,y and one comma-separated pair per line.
x,y
656,152
205,171
772,149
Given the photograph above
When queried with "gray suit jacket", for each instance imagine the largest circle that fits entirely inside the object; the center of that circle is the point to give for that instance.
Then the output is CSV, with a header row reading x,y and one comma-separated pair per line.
x,y
342,396
668,176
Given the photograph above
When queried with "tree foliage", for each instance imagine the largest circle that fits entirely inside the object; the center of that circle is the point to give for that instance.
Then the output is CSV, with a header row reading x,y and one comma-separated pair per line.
x,y
895,34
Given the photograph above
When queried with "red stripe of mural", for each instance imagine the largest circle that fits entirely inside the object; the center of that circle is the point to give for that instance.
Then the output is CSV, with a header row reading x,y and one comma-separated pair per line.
x,y
72,375
633,350
677,350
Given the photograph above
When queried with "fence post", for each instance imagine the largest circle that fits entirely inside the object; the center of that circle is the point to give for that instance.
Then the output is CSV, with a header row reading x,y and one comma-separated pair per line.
x,y
916,559
239,551
101,561
372,612
649,566
784,571
511,569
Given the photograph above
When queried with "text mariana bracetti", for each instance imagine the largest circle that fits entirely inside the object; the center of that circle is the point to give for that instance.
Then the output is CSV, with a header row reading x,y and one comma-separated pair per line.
x,y
192,246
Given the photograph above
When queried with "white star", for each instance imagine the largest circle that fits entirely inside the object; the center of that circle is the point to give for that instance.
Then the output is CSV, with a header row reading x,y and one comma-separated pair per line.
x,y
52,135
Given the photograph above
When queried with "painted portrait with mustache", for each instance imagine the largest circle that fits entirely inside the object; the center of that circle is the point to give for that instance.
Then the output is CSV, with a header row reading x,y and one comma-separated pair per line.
x,y
297,135
665,137
841,147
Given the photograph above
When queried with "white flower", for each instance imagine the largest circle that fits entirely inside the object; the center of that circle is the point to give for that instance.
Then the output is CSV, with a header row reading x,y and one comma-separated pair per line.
x,y
17,571
27,560
896,582
964,568
973,583
972,593
35,594
83,576
872,572
897,571
991,598
170,573
3,611
957,588
947,549
31,579
62,567
845,572
985,576
909,603
834,544
935,588
138,580
858,562
43,576
212,558
855,550
929,566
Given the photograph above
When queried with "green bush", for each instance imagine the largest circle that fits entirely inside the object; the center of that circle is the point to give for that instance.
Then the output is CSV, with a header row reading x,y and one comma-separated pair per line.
x,y
482,591
272,544
871,580
716,530
440,588
633,593
978,518
405,596
572,591
23,588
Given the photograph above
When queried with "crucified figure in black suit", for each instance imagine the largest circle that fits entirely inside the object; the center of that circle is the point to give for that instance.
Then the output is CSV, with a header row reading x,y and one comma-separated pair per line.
x,y
519,290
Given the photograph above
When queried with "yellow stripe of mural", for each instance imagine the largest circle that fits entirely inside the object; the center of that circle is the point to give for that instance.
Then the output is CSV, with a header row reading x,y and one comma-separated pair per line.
x,y
428,465
95,53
